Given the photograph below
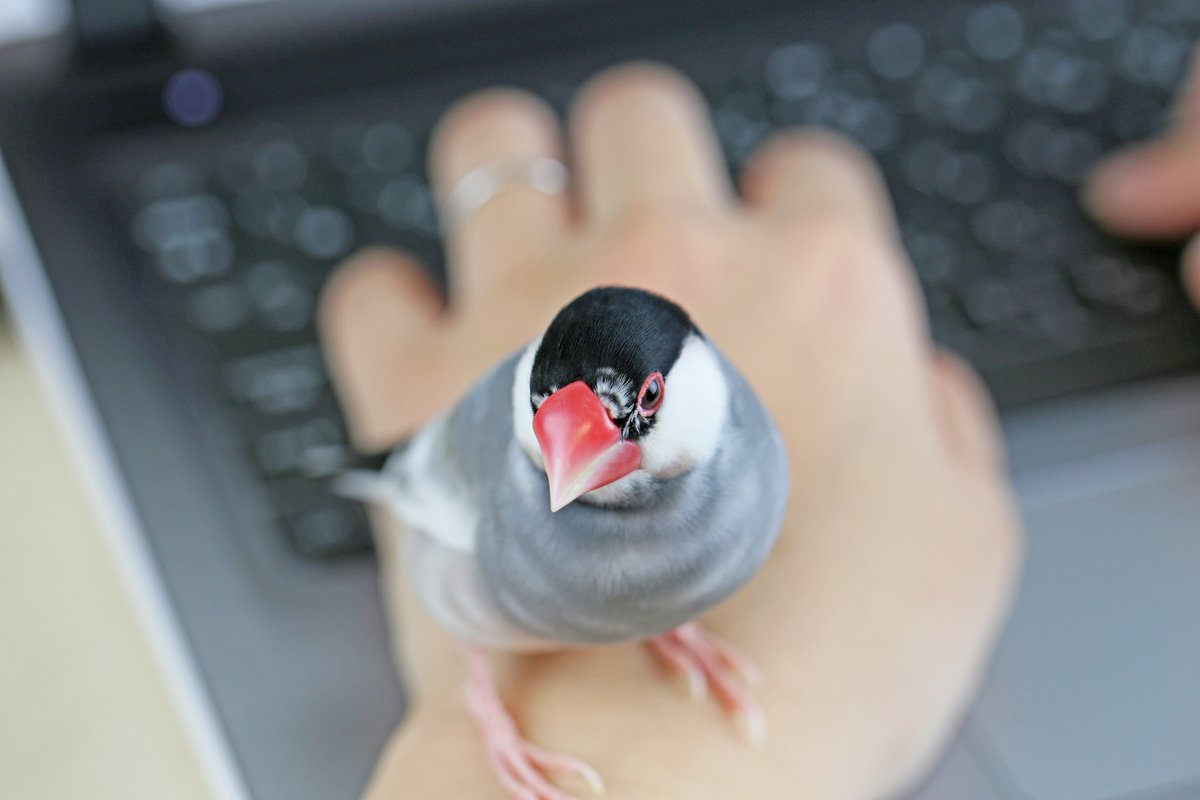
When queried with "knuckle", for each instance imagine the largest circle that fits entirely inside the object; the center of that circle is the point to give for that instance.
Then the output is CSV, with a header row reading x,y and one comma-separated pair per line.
x,y
853,275
827,249
672,252
661,236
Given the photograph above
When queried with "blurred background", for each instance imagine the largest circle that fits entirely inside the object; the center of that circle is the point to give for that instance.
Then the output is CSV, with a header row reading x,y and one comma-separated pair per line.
x,y
83,709
179,177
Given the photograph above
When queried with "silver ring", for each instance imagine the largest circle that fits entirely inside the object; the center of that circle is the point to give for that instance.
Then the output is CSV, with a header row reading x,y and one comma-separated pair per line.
x,y
479,186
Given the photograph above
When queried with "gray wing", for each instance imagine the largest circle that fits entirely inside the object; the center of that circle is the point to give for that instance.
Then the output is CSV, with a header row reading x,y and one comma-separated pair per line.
x,y
439,487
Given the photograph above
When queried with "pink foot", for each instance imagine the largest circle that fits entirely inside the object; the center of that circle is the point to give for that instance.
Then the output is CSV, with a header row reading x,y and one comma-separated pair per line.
x,y
708,664
517,764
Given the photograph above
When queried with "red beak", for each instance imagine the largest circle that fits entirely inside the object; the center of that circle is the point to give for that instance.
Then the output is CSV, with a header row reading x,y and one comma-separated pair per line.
x,y
581,446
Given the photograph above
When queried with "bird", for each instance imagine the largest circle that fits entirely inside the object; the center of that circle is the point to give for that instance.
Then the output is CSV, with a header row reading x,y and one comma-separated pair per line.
x,y
609,482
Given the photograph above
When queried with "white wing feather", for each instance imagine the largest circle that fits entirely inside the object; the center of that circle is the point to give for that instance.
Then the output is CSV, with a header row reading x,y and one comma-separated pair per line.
x,y
440,527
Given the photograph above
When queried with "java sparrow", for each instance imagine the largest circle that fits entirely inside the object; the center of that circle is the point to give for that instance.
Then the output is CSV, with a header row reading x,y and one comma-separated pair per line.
x,y
610,482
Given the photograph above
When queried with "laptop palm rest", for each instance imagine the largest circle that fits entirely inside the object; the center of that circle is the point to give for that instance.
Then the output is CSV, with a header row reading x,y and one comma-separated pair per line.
x,y
1095,690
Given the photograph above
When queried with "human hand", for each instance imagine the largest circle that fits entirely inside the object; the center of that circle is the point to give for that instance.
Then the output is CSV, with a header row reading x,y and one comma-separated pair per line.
x,y
1152,190
874,615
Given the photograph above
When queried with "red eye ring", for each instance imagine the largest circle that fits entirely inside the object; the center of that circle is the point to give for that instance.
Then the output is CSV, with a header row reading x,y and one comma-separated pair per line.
x,y
656,388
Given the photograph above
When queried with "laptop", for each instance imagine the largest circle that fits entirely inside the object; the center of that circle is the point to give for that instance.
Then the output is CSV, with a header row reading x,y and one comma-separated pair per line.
x,y
179,178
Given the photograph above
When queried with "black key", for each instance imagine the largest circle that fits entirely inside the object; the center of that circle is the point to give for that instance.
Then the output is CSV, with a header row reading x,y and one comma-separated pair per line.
x,y
1069,327
316,523
281,382
279,295
1104,280
991,302
217,308
311,443
405,202
1004,225
333,529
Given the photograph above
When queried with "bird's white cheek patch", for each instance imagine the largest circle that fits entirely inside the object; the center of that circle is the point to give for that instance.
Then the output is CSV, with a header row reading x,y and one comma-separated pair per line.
x,y
522,412
689,423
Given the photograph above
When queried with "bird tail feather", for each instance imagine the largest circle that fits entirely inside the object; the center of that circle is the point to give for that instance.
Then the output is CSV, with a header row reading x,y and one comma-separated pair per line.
x,y
359,484
355,476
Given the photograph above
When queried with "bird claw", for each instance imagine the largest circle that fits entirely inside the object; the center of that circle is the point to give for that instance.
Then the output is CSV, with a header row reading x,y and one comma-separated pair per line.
x,y
567,766
751,725
517,764
709,664
697,684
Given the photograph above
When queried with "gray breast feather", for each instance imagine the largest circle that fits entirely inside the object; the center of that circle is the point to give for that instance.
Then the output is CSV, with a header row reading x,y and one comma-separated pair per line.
x,y
590,575
453,592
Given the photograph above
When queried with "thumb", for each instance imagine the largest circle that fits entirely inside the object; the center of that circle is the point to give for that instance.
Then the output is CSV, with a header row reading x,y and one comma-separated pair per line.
x,y
1152,190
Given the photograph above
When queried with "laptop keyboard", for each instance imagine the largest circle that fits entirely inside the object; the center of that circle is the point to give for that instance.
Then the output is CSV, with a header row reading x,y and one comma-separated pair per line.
x,y
984,119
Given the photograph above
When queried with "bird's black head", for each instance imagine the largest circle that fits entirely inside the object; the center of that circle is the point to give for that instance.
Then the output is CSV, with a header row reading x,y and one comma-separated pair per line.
x,y
618,341
624,395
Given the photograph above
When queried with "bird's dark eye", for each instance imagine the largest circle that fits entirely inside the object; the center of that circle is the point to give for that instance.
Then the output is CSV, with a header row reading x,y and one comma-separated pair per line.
x,y
651,395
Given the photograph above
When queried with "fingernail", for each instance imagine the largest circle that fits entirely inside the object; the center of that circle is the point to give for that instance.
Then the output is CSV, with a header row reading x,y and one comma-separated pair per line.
x,y
594,781
751,725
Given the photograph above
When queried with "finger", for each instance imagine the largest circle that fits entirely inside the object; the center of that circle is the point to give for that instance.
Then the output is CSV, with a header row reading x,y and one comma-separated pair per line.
x,y
965,411
1149,191
519,224
381,324
1152,190
1191,269
816,174
642,139
818,189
